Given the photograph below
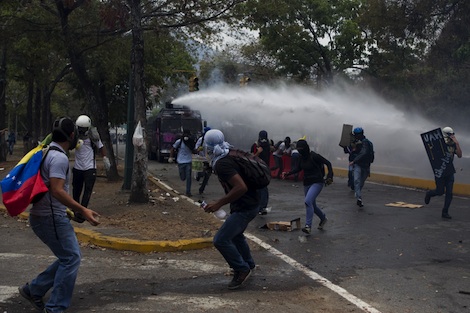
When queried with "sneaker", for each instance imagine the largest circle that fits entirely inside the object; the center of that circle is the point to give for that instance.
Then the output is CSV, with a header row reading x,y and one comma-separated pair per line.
x,y
306,229
47,311
263,211
359,202
189,194
239,279
427,198
446,216
36,302
322,223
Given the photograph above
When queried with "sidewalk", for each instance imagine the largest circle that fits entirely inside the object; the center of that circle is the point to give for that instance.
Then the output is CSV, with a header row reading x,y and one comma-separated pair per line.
x,y
124,239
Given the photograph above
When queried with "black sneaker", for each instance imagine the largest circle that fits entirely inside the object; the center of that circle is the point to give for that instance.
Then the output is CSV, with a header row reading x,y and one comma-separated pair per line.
x,y
307,229
427,198
359,203
322,223
36,302
263,212
238,279
446,216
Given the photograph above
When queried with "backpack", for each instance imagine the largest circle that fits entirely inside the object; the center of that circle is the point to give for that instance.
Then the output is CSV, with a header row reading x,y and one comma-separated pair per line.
x,y
23,184
255,173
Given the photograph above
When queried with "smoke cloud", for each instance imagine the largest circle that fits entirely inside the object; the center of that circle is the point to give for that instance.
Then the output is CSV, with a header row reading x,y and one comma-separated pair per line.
x,y
296,111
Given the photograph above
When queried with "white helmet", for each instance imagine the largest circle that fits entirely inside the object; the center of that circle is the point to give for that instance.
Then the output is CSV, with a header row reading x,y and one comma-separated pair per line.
x,y
83,121
447,131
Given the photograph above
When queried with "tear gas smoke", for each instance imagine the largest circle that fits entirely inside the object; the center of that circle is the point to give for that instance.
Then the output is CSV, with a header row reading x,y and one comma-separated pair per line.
x,y
296,111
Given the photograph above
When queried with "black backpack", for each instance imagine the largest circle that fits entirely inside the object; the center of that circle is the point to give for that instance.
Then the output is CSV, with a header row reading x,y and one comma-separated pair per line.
x,y
255,173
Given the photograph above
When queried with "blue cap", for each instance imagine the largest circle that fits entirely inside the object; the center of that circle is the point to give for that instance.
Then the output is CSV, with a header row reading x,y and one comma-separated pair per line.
x,y
206,129
358,130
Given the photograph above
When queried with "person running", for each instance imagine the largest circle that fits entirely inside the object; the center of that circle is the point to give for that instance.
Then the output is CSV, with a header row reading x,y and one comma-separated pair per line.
x,y
244,206
445,183
361,162
313,166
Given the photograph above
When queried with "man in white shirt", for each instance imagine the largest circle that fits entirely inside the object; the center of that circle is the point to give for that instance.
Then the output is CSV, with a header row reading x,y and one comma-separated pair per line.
x,y
84,169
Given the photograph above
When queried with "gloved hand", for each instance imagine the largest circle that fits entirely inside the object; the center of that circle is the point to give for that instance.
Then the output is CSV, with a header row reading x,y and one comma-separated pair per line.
x,y
328,181
171,160
107,164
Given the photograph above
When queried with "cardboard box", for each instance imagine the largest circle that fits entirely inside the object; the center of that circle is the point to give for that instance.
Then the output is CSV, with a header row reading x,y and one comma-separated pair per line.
x,y
284,226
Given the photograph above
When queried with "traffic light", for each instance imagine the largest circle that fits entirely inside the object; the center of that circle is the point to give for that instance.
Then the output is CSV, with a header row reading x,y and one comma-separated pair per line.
x,y
193,83
244,80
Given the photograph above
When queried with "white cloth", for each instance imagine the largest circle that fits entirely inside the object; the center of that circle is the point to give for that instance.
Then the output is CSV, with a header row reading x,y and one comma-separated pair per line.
x,y
216,146
85,156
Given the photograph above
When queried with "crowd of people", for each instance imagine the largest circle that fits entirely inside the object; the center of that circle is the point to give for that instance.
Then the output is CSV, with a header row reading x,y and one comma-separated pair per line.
x,y
50,222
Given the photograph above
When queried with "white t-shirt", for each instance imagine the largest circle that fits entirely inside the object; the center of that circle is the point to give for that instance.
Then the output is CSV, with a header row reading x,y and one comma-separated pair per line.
x,y
85,157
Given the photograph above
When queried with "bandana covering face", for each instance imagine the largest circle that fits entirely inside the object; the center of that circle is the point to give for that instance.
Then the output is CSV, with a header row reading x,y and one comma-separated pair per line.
x,y
215,146
303,148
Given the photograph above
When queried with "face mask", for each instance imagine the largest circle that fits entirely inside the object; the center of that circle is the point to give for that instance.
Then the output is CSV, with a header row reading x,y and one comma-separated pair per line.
x,y
303,152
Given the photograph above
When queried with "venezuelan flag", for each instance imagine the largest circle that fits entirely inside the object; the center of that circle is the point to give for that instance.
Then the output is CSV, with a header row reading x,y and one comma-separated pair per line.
x,y
23,183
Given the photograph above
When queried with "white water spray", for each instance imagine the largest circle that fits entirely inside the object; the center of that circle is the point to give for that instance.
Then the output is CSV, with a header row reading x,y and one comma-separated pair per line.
x,y
296,111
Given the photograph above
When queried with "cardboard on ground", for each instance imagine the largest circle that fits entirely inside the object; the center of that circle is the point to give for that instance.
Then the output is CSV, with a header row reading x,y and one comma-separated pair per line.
x,y
284,226
400,204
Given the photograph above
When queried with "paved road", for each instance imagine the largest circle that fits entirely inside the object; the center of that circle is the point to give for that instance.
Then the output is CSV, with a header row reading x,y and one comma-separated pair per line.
x,y
375,259
395,259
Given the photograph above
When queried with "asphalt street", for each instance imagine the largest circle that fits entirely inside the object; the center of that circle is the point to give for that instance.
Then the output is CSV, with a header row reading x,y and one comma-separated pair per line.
x,y
372,259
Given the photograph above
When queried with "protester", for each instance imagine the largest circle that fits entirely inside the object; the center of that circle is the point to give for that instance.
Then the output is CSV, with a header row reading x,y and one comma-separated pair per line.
x,y
244,206
48,220
206,172
445,183
282,149
84,168
183,148
263,151
361,162
313,166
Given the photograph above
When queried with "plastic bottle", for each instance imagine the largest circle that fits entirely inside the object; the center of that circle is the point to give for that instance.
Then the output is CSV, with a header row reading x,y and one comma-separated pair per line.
x,y
220,213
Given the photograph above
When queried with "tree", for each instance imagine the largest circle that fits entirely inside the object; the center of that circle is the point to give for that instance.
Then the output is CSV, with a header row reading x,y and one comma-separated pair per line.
x,y
308,38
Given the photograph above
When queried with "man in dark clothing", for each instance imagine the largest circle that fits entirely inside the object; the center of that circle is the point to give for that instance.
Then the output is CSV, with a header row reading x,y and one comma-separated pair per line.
x,y
263,150
244,206
361,163
445,183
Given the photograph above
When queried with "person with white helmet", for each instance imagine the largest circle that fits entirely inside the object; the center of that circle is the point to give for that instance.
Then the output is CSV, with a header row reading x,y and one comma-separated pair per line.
x,y
244,205
445,183
84,169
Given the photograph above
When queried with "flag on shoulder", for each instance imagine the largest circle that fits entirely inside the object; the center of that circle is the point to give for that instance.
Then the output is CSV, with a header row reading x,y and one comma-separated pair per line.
x,y
23,184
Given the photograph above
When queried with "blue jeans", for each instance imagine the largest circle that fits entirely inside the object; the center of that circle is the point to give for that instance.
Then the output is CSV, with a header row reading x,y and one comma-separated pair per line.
x,y
59,236
360,176
311,193
185,174
444,185
263,198
231,242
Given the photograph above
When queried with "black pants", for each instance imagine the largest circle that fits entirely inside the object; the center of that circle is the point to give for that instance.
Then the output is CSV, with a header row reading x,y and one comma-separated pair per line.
x,y
205,174
83,181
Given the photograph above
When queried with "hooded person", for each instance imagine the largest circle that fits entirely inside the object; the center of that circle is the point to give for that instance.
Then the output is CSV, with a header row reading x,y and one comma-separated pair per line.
x,y
263,150
244,204
313,165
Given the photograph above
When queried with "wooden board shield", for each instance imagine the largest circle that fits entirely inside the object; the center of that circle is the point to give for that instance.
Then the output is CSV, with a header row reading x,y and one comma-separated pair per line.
x,y
436,149
346,136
